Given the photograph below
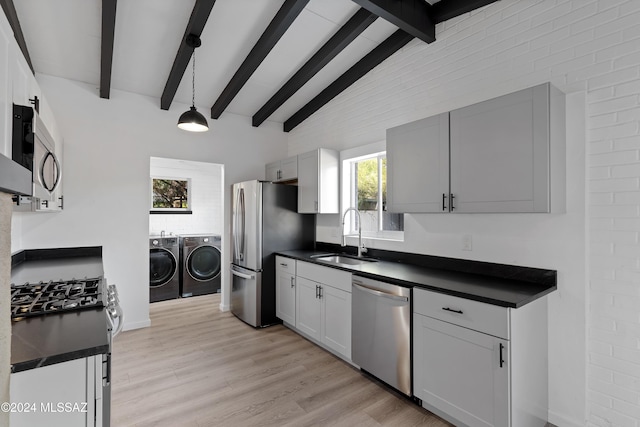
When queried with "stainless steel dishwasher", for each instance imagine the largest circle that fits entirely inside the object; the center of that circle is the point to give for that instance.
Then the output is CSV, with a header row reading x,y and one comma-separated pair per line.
x,y
381,331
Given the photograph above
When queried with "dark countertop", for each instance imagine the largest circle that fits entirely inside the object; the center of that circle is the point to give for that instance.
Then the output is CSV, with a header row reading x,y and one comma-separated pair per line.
x,y
54,338
492,289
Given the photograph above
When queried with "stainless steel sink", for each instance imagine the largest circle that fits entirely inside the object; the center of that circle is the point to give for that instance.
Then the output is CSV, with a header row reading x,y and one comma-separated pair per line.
x,y
343,259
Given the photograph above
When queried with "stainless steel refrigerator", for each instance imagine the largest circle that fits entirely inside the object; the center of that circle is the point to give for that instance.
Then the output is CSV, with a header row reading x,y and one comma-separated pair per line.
x,y
264,220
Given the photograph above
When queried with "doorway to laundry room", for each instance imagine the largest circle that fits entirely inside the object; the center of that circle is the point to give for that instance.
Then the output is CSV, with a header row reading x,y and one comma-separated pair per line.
x,y
185,228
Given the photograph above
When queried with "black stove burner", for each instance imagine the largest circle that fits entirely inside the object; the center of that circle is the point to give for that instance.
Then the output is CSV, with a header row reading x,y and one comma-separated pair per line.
x,y
34,299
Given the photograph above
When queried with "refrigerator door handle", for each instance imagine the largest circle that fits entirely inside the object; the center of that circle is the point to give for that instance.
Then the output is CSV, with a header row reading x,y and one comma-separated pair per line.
x,y
235,225
242,275
242,220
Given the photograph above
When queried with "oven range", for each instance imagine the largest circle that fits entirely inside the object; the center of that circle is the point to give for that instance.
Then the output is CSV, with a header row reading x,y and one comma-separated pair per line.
x,y
33,299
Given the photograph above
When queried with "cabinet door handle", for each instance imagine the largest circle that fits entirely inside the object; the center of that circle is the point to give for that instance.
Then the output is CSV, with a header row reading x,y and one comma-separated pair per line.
x,y
292,281
452,310
284,264
320,292
444,205
452,197
501,358
61,198
317,291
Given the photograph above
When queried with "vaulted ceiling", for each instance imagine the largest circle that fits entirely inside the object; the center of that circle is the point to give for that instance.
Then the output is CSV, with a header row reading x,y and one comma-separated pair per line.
x,y
277,60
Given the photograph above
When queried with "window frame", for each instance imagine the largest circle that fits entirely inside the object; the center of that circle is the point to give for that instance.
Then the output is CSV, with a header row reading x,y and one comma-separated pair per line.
x,y
349,191
187,210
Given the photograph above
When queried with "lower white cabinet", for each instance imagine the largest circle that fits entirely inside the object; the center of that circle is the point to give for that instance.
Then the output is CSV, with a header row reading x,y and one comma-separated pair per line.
x,y
324,313
67,394
286,289
470,383
477,364
309,308
315,302
336,319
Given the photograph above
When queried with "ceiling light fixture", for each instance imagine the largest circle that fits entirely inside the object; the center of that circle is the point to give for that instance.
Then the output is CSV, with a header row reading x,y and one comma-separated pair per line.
x,y
192,120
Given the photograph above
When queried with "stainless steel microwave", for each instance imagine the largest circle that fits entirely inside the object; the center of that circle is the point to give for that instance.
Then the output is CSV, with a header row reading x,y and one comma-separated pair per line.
x,y
34,148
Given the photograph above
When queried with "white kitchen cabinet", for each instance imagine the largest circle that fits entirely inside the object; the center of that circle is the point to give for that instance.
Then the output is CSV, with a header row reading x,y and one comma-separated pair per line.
x,y
75,384
6,113
323,306
478,364
282,170
308,308
418,166
318,172
501,151
336,319
23,82
468,382
506,154
286,290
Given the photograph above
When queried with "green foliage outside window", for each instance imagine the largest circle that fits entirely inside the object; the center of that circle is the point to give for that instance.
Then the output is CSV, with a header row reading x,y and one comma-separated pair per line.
x,y
170,193
367,182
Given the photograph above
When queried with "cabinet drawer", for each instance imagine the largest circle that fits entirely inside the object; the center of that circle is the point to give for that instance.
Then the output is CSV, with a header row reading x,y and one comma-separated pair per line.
x,y
329,276
285,265
479,316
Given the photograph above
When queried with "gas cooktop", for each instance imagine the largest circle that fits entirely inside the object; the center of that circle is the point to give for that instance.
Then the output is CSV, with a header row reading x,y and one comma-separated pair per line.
x,y
34,299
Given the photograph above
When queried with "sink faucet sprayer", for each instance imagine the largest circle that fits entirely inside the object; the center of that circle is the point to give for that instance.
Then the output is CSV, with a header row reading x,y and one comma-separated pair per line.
x,y
361,248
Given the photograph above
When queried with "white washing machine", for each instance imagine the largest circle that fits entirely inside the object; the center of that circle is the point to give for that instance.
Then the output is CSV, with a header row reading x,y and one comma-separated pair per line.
x,y
164,274
201,259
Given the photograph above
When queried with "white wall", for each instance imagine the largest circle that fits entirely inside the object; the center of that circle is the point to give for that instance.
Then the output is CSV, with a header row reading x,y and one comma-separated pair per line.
x,y
108,145
205,193
591,50
6,207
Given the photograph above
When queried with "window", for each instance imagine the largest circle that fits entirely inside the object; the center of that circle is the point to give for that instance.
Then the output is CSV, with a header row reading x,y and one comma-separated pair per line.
x,y
367,191
170,195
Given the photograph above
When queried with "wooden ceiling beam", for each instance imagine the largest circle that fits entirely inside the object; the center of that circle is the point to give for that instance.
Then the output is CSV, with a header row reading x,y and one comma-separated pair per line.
x,y
399,11
412,16
106,48
276,29
371,60
199,16
12,16
447,9
341,39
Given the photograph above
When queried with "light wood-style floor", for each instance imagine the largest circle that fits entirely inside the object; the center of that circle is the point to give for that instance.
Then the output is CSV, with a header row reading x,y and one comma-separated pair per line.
x,y
197,366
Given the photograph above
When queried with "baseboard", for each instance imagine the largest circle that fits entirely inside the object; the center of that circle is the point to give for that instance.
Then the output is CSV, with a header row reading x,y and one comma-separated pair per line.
x,y
224,307
560,420
128,326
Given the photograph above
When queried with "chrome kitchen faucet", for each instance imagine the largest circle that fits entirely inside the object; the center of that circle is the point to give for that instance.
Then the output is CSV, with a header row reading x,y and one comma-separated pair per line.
x,y
361,248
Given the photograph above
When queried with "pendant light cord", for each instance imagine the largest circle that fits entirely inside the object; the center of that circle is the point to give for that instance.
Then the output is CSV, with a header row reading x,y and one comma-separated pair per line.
x,y
193,80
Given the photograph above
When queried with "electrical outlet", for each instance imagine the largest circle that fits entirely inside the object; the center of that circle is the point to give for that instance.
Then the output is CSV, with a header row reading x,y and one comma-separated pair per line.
x,y
467,242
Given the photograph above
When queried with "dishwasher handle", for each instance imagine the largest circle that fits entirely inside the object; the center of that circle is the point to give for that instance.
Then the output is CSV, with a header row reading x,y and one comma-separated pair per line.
x,y
379,293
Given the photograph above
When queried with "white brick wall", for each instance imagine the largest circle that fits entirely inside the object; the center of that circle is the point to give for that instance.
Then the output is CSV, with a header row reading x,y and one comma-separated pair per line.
x,y
206,197
587,46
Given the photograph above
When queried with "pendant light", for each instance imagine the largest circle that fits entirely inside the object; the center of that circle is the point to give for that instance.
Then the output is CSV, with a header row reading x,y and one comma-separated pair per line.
x,y
192,120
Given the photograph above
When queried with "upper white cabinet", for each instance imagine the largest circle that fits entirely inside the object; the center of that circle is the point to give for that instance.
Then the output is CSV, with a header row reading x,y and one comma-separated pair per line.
x,y
318,181
418,165
506,154
478,364
282,170
501,151
6,36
